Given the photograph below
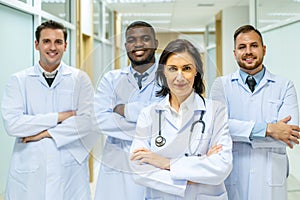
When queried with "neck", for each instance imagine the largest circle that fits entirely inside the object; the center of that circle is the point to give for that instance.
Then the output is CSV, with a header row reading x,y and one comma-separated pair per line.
x,y
142,68
48,68
175,101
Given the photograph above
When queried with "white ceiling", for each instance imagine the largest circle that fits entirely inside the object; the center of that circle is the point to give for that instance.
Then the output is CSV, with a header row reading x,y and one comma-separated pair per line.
x,y
194,15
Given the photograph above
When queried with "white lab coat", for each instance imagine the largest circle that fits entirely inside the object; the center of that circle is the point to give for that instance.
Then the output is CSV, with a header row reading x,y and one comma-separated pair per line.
x,y
120,87
208,172
260,165
57,167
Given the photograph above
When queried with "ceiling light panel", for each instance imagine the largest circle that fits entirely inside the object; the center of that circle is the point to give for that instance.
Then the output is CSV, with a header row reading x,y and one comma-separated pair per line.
x,y
139,1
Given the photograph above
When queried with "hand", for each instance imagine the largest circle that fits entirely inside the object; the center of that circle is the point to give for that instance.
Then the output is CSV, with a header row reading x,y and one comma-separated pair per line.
x,y
284,132
37,137
147,156
65,115
120,109
214,149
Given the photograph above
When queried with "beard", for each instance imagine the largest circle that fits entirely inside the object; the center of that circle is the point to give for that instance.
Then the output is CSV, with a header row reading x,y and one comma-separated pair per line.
x,y
142,62
253,66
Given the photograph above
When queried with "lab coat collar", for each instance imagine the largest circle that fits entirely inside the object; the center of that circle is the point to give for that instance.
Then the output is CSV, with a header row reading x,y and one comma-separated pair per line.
x,y
63,70
129,71
268,77
193,103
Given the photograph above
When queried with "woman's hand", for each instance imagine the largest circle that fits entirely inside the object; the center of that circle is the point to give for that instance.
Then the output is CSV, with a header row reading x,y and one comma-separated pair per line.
x,y
214,149
146,156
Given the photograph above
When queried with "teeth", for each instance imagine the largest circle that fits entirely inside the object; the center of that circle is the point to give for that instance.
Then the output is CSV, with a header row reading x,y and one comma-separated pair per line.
x,y
139,52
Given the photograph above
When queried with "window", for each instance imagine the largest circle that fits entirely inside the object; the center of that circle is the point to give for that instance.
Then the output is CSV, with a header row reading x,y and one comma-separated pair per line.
x,y
59,8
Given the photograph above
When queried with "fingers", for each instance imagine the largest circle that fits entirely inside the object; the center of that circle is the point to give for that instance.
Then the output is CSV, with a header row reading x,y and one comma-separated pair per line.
x,y
139,153
140,149
214,149
286,119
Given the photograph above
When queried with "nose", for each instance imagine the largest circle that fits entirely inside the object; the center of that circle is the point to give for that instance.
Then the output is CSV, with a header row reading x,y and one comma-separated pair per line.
x,y
52,46
179,75
139,43
248,49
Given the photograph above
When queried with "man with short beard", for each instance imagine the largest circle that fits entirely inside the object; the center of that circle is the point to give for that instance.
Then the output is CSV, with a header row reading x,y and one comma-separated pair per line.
x,y
263,121
119,98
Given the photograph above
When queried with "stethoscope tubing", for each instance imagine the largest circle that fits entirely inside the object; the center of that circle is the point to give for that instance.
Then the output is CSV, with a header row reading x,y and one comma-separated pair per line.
x,y
161,141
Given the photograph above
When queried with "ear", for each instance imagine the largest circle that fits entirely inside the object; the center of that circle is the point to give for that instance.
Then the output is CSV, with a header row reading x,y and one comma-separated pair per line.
x,y
66,44
36,45
156,44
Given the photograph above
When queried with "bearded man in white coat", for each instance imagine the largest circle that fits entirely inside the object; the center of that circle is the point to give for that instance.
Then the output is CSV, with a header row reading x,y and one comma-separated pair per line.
x,y
263,121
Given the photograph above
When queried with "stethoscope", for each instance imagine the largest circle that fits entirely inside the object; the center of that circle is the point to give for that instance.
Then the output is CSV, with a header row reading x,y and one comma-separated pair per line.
x,y
161,141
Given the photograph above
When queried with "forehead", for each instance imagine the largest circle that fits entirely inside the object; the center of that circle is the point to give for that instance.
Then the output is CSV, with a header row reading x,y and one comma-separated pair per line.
x,y
53,33
139,31
180,58
248,37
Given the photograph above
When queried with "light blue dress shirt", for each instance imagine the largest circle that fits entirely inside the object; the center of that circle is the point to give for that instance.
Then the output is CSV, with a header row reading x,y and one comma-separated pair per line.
x,y
259,129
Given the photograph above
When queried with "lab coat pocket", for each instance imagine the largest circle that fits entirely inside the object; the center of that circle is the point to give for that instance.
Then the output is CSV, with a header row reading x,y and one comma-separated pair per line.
x,y
155,198
65,101
272,109
277,169
211,197
25,158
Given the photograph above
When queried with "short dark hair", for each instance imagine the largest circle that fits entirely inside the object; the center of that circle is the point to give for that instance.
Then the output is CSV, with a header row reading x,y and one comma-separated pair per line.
x,y
245,29
179,46
52,25
140,24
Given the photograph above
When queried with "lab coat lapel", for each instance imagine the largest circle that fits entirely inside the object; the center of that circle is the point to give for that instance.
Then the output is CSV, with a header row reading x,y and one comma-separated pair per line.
x,y
196,105
166,116
236,77
63,71
37,75
268,77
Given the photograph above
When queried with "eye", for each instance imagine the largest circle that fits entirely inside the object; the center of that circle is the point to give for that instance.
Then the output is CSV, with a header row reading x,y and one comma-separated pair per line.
x,y
146,38
59,42
171,68
241,47
46,41
130,40
187,68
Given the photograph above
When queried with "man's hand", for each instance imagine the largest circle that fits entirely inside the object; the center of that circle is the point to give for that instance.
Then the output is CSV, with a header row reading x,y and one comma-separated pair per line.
x,y
147,156
120,109
284,132
65,115
37,137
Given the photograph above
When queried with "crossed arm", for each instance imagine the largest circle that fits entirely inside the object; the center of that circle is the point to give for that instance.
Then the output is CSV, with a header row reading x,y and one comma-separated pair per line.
x,y
284,132
45,134
144,155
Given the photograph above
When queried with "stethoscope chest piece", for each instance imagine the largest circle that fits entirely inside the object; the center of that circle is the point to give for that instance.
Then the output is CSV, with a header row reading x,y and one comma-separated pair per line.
x,y
160,141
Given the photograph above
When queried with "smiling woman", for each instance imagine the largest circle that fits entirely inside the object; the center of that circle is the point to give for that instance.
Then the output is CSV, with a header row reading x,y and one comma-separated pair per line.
x,y
173,154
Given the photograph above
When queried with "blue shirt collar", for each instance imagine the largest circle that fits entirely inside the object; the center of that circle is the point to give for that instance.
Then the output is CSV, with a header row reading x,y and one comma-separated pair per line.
x,y
258,77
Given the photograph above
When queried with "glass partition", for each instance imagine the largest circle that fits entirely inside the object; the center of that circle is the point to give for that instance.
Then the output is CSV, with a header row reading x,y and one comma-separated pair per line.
x,y
270,12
